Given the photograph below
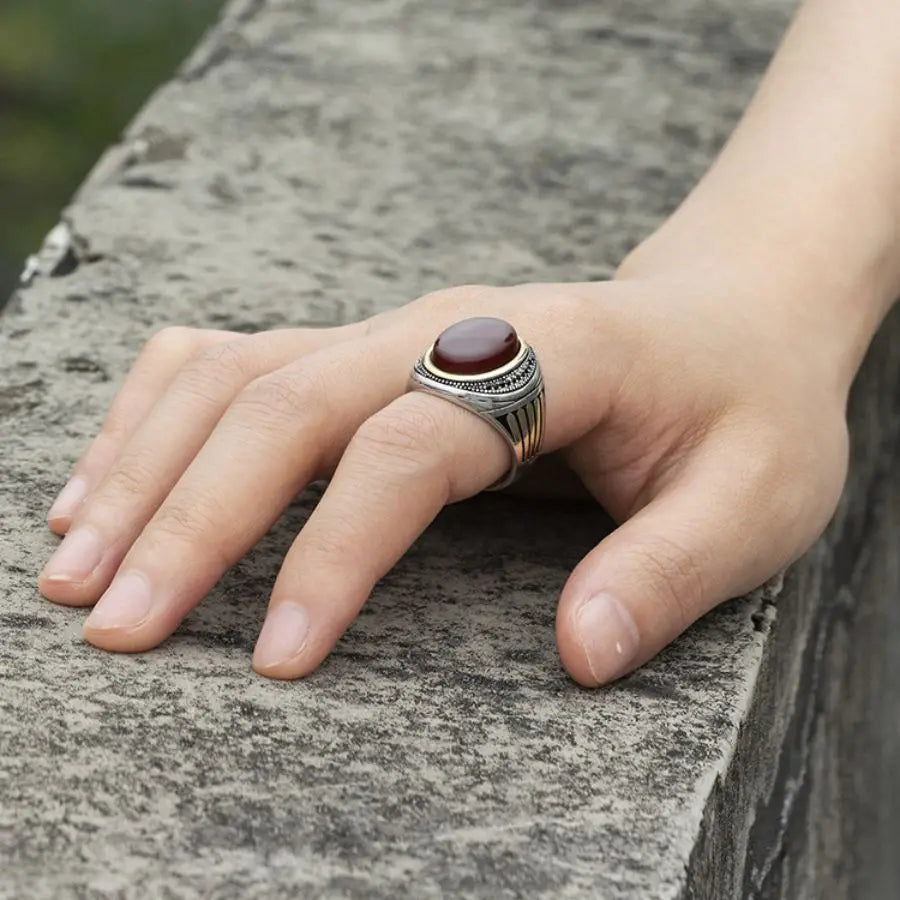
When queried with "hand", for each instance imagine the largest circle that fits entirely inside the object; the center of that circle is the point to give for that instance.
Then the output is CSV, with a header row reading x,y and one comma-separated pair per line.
x,y
706,427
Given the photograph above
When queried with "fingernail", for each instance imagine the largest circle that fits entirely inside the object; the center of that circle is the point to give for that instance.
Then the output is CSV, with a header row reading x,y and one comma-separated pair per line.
x,y
69,498
76,557
608,636
125,604
283,635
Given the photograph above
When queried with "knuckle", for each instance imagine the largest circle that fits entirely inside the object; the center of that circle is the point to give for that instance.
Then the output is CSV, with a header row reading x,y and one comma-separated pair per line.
x,y
191,520
284,395
131,477
206,372
172,339
335,544
226,359
408,430
177,520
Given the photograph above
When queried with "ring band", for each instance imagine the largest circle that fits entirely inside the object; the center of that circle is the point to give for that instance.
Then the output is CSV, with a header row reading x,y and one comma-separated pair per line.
x,y
482,364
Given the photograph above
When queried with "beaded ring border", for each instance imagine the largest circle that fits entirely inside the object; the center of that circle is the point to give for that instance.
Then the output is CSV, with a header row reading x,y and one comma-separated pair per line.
x,y
510,397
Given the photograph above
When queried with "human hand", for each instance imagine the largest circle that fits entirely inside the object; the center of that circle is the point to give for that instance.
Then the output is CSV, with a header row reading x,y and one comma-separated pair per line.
x,y
703,425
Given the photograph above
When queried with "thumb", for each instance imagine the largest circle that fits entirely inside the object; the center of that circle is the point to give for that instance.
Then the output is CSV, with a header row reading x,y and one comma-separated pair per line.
x,y
699,542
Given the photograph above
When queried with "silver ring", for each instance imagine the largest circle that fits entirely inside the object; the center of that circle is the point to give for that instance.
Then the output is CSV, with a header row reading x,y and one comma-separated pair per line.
x,y
505,388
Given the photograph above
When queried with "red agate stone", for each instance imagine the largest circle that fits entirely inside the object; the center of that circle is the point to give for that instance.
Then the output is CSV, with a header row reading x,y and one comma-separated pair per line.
x,y
475,346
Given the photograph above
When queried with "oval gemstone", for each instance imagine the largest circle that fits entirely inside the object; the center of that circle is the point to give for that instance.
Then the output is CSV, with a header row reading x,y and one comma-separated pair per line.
x,y
475,346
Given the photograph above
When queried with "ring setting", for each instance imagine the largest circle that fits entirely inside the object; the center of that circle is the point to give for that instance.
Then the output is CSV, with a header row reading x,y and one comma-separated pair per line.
x,y
482,365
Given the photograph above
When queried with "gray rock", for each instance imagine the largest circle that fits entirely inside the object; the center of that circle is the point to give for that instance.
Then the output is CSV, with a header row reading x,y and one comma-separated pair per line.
x,y
314,163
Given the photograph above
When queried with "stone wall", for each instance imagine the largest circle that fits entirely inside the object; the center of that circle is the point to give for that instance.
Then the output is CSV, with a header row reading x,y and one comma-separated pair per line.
x,y
314,163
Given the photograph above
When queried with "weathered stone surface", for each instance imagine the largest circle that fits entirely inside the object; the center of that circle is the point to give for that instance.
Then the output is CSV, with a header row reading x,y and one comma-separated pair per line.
x,y
314,163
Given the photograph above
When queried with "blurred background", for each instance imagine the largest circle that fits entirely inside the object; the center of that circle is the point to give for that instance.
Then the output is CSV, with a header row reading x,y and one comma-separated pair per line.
x,y
72,74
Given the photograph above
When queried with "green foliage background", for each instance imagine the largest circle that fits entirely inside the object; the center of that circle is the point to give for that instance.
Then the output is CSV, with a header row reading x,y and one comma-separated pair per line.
x,y
72,73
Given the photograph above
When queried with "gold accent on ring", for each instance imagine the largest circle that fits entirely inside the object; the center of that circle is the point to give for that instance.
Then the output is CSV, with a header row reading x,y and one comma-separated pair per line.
x,y
525,427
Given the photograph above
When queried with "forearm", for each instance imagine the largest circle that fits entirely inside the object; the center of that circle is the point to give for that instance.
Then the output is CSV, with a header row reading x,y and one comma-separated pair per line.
x,y
802,207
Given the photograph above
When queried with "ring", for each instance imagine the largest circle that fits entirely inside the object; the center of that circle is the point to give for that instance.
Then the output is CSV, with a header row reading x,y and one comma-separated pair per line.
x,y
483,365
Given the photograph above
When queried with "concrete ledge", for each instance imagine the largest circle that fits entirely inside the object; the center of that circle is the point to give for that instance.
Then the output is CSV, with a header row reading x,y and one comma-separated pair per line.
x,y
314,165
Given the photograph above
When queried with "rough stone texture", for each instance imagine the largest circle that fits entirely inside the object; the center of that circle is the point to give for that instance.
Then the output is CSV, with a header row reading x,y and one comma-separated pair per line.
x,y
313,163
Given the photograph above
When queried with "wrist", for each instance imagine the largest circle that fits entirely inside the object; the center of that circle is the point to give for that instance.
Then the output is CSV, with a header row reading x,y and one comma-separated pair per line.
x,y
799,216
828,304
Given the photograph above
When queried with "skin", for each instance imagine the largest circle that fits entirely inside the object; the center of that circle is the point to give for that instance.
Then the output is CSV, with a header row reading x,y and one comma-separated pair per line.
x,y
699,396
